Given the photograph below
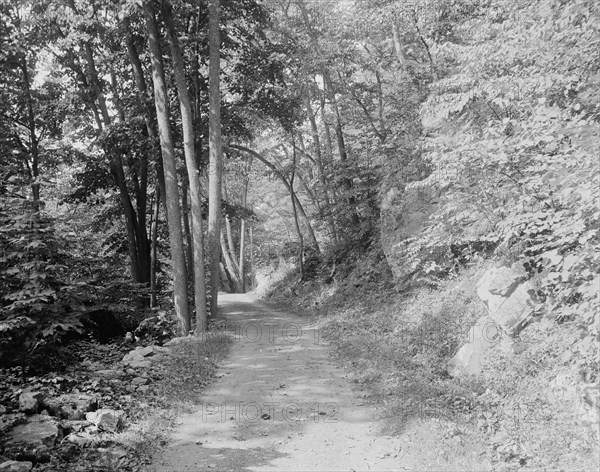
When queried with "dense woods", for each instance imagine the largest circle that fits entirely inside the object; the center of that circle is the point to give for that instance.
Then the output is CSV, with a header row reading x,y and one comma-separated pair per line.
x,y
154,152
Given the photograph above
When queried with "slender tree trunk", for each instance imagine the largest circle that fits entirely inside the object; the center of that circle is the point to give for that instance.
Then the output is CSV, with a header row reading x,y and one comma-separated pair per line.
x,y
297,224
230,244
187,233
153,251
252,272
34,147
399,50
137,236
320,169
228,247
187,122
230,265
170,167
328,139
242,258
139,178
329,150
226,278
140,81
216,150
330,93
130,217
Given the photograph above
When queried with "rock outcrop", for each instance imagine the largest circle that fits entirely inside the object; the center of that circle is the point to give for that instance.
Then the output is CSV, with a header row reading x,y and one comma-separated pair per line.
x,y
505,296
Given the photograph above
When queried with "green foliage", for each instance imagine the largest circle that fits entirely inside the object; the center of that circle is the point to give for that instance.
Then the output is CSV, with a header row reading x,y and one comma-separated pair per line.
x,y
36,294
513,154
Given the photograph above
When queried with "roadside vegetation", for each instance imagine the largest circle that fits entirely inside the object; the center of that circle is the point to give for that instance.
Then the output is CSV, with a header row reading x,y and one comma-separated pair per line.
x,y
399,170
395,347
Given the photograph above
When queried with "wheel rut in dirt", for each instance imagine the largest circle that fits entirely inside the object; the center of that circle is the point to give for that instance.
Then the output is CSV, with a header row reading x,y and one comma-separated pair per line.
x,y
279,404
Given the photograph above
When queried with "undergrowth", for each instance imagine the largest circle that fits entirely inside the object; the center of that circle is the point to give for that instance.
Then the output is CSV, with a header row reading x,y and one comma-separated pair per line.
x,y
185,373
396,346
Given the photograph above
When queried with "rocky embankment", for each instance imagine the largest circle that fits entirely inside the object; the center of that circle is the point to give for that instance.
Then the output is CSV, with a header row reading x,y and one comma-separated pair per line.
x,y
71,420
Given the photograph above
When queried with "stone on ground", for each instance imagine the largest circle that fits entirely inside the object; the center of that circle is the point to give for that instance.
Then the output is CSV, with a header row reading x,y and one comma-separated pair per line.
x,y
16,466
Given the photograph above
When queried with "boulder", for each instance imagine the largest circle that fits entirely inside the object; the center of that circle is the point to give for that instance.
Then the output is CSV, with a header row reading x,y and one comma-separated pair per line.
x,y
40,431
484,335
506,296
71,406
502,281
142,357
80,439
74,426
139,381
10,420
507,300
30,402
107,420
16,466
404,214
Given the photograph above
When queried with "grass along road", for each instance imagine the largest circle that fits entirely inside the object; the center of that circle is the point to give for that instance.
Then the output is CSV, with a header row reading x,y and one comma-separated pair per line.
x,y
280,404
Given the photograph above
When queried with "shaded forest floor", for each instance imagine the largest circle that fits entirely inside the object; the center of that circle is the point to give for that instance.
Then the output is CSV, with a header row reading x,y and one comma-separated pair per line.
x,y
50,421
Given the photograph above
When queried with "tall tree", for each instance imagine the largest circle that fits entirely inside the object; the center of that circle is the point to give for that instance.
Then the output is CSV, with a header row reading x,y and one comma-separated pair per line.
x,y
215,151
170,168
187,122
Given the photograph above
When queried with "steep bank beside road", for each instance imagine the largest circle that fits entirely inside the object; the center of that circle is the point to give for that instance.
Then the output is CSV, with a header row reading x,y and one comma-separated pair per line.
x,y
526,399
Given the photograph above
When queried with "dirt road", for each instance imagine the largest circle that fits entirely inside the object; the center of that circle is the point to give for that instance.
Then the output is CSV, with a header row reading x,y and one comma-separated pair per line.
x,y
281,405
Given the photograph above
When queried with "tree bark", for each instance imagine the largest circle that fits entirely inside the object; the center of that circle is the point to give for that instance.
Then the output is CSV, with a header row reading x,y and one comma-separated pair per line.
x,y
34,145
187,123
320,168
330,93
137,236
242,258
187,233
170,167
153,250
399,50
297,224
140,81
231,266
215,150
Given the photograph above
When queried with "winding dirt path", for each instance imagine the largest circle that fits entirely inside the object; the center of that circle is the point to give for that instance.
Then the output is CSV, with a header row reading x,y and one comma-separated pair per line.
x,y
281,405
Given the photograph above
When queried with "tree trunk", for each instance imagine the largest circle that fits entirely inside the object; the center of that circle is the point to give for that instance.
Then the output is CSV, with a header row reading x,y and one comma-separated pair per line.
x,y
231,266
242,258
170,167
230,244
187,123
320,168
187,233
297,224
215,150
153,254
140,81
330,93
399,50
34,147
